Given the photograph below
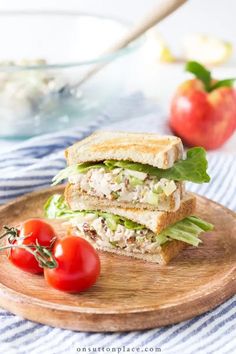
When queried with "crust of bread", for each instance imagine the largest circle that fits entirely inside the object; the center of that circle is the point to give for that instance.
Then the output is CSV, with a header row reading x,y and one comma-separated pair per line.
x,y
170,203
172,249
156,221
147,148
166,252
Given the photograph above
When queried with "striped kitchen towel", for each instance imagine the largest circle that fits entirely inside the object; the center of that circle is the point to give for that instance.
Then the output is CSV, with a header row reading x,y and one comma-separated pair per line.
x,y
31,165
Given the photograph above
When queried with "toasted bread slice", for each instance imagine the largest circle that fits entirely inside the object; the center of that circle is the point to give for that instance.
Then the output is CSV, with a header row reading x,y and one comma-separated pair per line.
x,y
170,203
164,255
156,221
146,148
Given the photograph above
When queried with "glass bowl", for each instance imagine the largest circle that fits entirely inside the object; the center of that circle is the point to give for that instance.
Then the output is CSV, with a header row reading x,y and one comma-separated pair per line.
x,y
43,57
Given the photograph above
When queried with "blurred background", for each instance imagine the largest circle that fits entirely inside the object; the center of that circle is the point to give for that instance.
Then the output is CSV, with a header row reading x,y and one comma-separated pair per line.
x,y
215,17
47,48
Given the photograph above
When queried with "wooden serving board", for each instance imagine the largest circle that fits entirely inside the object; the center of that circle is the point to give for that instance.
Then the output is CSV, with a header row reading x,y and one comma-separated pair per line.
x,y
130,294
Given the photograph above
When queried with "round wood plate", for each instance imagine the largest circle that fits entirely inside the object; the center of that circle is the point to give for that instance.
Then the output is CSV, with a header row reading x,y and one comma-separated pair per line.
x,y
130,294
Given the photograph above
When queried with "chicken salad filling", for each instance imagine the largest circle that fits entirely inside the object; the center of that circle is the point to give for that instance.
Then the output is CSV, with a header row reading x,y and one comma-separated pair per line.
x,y
124,185
193,168
136,182
98,230
109,230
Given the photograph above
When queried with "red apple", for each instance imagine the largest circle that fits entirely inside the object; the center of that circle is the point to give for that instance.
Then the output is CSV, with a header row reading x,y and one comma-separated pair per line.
x,y
203,110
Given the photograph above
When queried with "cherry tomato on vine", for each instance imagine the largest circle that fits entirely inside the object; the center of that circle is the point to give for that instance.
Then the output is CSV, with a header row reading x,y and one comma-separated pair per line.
x,y
29,233
78,265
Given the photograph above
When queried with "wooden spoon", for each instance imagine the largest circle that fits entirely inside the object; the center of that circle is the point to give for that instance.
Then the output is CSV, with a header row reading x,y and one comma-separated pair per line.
x,y
164,9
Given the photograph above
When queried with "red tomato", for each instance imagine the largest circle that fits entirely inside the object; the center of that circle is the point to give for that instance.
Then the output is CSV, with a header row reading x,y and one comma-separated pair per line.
x,y
78,265
30,232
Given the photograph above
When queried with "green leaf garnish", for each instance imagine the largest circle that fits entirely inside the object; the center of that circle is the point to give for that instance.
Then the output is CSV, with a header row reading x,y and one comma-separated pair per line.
x,y
200,72
204,75
223,83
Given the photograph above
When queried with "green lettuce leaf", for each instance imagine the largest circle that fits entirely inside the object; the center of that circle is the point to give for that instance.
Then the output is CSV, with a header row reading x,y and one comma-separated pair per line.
x,y
186,230
204,225
56,207
192,169
64,174
161,239
73,170
129,224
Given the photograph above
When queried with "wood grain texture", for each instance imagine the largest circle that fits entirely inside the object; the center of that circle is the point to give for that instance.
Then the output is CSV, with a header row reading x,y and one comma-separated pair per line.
x,y
129,294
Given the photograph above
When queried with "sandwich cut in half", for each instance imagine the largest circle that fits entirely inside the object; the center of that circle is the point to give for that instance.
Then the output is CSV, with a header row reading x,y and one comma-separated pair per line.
x,y
154,236
133,170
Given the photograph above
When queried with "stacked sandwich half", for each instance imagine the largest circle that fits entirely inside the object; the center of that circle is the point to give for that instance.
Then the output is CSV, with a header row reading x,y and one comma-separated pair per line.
x,y
126,194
